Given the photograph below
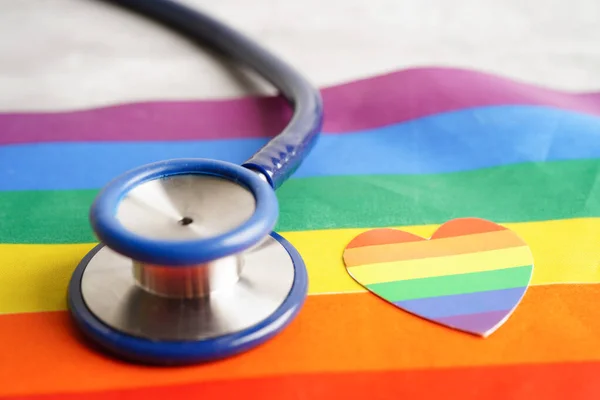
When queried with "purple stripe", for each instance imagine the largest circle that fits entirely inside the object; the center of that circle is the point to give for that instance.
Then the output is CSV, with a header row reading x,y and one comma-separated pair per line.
x,y
479,323
364,104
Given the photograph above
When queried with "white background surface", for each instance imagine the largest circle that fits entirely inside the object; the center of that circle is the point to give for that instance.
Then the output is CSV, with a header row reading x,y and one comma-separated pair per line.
x,y
69,54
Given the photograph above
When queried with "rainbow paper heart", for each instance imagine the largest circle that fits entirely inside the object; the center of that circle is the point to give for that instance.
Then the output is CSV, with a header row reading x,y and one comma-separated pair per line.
x,y
470,275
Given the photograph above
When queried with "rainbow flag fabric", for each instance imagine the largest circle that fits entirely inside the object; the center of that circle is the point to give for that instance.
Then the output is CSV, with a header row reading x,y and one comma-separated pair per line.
x,y
425,146
409,149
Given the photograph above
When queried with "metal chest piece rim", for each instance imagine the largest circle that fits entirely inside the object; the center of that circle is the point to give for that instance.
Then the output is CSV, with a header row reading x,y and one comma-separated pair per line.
x,y
206,346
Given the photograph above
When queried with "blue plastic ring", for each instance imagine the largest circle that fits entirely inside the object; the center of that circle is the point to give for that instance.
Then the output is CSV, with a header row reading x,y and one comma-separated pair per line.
x,y
178,253
148,351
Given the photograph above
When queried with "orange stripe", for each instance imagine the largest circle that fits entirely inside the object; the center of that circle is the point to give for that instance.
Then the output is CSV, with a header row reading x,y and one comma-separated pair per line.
x,y
526,382
40,353
432,248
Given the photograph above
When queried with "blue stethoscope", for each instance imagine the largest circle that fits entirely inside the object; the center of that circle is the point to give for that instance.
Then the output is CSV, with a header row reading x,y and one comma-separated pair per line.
x,y
188,269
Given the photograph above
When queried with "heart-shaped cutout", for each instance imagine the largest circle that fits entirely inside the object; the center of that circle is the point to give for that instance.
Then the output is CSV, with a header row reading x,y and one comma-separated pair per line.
x,y
470,275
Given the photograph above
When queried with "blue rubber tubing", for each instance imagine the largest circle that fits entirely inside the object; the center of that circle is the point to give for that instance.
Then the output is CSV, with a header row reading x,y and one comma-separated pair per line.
x,y
282,156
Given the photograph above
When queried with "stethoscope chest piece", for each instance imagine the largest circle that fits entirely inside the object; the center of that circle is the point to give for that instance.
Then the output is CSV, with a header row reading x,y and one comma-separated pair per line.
x,y
188,269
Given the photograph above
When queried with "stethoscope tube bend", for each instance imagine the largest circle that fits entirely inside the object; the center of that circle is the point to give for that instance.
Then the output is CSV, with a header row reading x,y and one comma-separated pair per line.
x,y
280,158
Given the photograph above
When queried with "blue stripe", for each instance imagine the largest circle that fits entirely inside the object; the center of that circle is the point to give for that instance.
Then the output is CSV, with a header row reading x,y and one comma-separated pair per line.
x,y
457,141
461,304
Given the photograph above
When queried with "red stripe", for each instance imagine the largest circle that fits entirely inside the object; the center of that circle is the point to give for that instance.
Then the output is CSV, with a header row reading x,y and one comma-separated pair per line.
x,y
526,382
383,236
466,226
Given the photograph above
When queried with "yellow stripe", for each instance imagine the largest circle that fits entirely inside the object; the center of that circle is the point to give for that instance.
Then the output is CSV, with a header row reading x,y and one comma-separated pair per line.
x,y
34,278
438,266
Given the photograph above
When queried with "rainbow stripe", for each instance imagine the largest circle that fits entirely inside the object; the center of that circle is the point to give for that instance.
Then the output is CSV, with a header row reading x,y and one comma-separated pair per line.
x,y
28,289
413,149
509,193
360,105
42,353
548,380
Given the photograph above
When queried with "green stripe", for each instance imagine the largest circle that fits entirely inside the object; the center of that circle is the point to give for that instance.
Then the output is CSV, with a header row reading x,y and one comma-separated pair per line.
x,y
448,285
516,193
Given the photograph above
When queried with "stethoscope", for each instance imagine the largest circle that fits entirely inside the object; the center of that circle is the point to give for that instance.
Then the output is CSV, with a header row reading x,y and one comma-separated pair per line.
x,y
188,269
